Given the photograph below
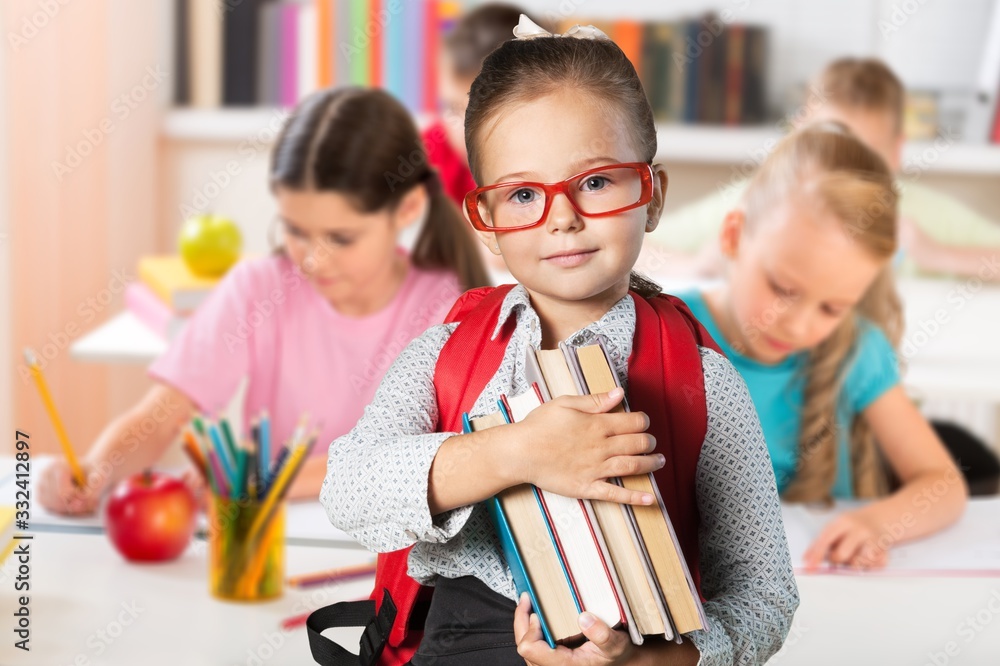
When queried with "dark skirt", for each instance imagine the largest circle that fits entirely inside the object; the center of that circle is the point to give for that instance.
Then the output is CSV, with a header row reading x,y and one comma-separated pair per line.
x,y
468,623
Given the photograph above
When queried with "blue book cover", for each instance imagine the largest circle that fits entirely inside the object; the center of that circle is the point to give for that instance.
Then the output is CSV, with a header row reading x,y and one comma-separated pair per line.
x,y
393,56
413,54
510,552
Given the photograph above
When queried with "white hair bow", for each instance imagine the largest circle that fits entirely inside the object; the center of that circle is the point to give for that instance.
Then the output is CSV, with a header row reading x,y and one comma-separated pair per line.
x,y
528,29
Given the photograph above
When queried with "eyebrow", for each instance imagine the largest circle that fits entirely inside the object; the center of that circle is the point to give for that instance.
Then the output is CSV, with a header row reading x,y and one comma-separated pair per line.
x,y
322,231
845,303
575,167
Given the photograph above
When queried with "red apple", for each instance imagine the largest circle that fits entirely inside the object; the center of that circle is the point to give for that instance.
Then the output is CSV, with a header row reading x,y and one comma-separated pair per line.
x,y
151,517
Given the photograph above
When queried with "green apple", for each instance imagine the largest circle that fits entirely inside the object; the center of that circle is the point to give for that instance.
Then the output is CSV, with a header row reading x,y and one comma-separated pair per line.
x,y
209,244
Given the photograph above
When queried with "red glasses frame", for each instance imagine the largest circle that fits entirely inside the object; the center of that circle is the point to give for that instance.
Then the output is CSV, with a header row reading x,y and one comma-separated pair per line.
x,y
644,170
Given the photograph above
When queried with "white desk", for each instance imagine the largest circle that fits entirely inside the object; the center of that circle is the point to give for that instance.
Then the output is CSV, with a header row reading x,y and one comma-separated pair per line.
x,y
81,588
80,584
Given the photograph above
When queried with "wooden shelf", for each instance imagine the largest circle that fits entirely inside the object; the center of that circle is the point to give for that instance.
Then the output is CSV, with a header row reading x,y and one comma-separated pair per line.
x,y
692,144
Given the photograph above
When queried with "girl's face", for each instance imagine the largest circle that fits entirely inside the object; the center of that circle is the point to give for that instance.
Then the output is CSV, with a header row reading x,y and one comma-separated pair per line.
x,y
548,140
349,257
792,280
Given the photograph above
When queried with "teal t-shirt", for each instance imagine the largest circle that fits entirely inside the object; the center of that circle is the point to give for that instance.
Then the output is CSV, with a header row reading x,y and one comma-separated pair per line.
x,y
777,391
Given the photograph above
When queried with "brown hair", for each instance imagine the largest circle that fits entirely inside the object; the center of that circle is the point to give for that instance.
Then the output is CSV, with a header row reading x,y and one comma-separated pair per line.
x,y
362,143
521,70
826,166
478,32
861,83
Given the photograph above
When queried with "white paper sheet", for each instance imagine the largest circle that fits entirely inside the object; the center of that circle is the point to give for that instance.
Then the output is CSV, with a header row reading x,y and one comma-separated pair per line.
x,y
970,546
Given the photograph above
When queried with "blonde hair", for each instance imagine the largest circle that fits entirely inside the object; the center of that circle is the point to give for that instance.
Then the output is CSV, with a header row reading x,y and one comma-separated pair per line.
x,y
825,166
860,83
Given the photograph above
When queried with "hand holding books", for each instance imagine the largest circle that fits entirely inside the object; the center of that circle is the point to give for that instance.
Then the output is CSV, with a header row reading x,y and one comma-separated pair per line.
x,y
585,445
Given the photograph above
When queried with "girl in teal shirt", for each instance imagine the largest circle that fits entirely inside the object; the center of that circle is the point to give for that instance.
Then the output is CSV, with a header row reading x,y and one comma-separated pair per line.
x,y
809,315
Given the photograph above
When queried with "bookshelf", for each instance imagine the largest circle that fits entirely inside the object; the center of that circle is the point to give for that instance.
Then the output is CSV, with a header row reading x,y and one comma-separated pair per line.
x,y
689,144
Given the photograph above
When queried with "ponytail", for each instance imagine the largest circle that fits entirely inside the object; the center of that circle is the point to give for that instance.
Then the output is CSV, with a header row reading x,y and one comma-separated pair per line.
x,y
445,241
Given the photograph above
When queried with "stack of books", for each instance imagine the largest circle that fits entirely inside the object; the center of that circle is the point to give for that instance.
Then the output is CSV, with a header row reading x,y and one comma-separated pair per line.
x,y
622,563
166,294
700,70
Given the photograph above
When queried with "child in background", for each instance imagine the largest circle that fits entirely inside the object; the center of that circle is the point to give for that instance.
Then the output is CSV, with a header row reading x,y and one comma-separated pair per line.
x,y
571,110
476,33
809,315
314,326
937,233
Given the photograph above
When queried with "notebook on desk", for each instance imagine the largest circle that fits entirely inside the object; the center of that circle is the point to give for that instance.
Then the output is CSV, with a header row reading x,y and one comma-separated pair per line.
x,y
970,547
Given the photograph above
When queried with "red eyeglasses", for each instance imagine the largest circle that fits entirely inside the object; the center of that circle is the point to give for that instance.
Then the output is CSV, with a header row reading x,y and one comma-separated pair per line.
x,y
598,192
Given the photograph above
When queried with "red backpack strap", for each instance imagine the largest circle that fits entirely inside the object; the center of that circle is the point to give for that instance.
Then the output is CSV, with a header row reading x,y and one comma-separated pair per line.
x,y
666,382
470,358
467,362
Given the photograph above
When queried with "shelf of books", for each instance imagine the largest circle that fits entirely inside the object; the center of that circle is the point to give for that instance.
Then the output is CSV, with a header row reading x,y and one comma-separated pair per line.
x,y
242,66
270,53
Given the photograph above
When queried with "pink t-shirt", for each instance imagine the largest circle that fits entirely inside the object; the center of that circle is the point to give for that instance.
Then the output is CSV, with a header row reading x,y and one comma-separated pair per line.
x,y
266,322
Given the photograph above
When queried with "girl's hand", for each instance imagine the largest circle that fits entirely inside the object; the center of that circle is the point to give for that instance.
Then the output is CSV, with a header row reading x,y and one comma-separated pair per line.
x,y
59,493
606,646
571,446
199,488
850,540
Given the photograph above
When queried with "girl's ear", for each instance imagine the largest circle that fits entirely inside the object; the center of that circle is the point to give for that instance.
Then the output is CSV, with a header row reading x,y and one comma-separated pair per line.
x,y
732,232
655,208
412,207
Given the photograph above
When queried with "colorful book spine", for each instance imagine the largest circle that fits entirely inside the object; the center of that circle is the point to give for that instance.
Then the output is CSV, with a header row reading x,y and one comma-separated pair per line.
x,y
394,55
358,46
308,45
432,41
735,54
205,21
628,36
413,70
375,34
325,17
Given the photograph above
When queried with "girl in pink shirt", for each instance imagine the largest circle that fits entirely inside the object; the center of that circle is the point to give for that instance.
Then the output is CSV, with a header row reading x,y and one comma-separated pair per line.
x,y
314,326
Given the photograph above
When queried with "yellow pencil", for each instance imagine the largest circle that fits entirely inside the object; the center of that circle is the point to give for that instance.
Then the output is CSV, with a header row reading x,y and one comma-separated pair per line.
x,y
276,492
50,406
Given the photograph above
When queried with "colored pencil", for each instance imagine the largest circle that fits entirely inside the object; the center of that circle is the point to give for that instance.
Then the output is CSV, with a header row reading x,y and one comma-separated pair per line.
x,y
276,491
265,445
50,407
199,426
257,468
222,488
333,575
193,451
241,472
230,442
220,451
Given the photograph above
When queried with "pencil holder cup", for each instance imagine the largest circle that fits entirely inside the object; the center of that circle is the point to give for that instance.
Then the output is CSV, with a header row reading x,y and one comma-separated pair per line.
x,y
246,549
